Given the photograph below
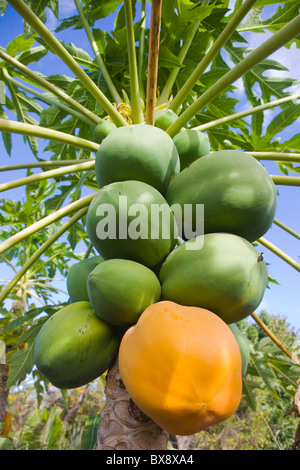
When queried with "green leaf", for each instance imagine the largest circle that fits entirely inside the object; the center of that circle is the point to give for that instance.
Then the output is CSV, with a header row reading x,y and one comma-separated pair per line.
x,y
21,362
266,375
3,6
168,59
248,394
89,434
20,44
283,15
284,119
292,144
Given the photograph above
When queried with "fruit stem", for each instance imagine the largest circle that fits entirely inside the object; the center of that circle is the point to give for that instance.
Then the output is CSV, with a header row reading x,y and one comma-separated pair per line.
x,y
135,99
115,95
247,112
47,174
279,253
286,180
274,338
286,228
30,129
44,84
153,61
211,53
281,37
56,46
40,251
45,221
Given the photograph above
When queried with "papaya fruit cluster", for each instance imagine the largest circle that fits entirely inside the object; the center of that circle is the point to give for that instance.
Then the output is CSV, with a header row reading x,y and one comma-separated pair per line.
x,y
164,296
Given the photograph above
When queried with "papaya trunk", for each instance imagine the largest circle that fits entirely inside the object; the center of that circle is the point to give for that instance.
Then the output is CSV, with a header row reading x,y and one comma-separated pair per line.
x,y
3,390
123,426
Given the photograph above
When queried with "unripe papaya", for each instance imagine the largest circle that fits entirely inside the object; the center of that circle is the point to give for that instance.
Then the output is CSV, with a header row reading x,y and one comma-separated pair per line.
x,y
137,152
122,222
102,129
164,118
191,144
120,290
77,278
218,271
74,346
243,343
182,367
238,194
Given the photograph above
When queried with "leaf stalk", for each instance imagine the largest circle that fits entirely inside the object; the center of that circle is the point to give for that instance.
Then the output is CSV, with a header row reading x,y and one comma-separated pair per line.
x,y
115,95
45,221
47,174
211,53
28,15
281,37
40,251
16,127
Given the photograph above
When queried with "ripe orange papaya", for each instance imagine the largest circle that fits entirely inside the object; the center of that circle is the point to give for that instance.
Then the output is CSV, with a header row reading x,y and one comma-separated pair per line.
x,y
137,152
238,194
224,273
75,346
182,367
119,290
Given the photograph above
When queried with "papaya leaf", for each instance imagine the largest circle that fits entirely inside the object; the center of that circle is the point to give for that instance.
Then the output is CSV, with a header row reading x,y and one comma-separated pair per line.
x,y
282,120
32,55
21,362
266,374
20,44
248,393
89,434
168,59
282,15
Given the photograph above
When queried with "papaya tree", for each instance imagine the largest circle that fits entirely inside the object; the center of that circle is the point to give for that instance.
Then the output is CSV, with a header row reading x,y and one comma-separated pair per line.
x,y
172,107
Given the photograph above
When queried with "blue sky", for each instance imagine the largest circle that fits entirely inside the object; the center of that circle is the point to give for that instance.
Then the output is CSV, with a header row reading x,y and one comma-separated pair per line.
x,y
282,299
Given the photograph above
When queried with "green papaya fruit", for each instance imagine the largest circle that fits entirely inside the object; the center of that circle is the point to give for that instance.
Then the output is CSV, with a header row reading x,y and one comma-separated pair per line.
x,y
6,443
131,220
221,272
191,144
243,343
137,152
237,193
163,118
77,278
102,129
74,346
120,290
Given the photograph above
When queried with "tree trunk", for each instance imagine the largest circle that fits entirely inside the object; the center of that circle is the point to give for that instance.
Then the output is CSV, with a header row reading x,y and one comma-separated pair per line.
x,y
122,425
3,391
